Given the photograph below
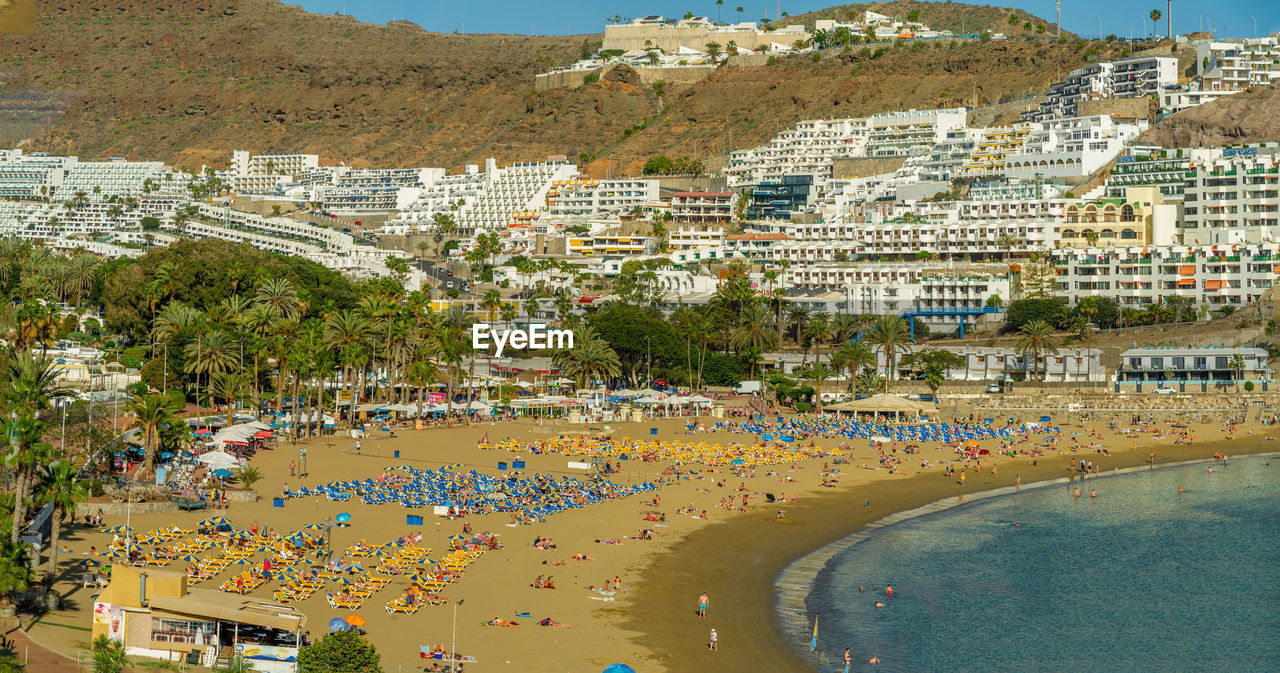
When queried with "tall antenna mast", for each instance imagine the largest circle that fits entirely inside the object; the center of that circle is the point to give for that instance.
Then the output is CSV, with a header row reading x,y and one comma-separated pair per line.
x,y
1169,17
1060,17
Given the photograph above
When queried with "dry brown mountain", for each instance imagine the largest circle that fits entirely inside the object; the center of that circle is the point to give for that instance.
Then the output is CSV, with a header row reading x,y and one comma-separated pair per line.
x,y
186,81
1247,117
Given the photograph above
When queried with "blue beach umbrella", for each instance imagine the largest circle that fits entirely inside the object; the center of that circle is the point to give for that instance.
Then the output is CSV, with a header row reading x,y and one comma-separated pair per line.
x,y
314,526
342,518
338,624
619,668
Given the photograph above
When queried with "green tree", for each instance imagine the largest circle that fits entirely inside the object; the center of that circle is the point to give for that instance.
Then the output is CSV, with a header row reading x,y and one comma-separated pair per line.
x,y
15,573
248,476
62,488
891,334
1236,363
1036,340
108,655
1155,20
340,651
150,414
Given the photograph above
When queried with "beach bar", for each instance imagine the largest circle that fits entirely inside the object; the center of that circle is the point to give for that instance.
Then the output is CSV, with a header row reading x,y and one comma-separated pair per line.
x,y
156,615
885,405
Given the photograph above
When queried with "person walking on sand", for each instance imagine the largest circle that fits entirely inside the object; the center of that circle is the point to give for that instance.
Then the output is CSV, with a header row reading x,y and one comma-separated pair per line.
x,y
714,645
357,447
848,660
703,601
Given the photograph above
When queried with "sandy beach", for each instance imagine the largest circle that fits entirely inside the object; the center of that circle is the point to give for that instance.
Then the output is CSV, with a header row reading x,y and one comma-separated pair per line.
x,y
651,624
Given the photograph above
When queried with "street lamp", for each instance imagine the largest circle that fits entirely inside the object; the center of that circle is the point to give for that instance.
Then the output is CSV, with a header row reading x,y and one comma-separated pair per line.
x,y
453,647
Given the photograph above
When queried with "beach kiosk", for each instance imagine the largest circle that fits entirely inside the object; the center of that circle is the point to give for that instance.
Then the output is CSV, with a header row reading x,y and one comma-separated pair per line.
x,y
156,615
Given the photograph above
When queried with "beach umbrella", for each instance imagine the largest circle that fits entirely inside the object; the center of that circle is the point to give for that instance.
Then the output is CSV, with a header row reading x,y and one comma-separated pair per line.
x,y
88,563
619,668
203,431
342,518
355,620
972,442
119,530
314,526
338,624
241,535
166,455
344,580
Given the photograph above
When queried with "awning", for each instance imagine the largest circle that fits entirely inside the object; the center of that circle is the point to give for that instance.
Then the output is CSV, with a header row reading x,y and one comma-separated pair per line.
x,y
1186,281
231,608
1213,285
1189,270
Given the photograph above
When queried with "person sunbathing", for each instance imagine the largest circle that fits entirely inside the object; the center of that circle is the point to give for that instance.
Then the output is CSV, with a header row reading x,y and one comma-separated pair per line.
x,y
499,622
537,583
549,584
582,557
547,621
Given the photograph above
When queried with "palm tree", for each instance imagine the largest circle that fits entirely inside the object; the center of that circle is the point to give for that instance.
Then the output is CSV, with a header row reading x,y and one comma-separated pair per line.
x,y
26,455
230,387
1007,241
15,571
445,225
818,374
347,332
1155,19
817,332
280,295
868,381
754,334
491,302
213,352
853,356
797,317
891,334
1236,363
1036,340
451,350
62,488
151,413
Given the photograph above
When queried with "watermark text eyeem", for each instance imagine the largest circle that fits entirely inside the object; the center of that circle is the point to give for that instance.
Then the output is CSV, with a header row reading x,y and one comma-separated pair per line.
x,y
537,337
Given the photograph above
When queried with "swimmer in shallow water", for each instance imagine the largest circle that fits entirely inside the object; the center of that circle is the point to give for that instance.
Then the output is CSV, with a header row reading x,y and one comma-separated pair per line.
x,y
879,604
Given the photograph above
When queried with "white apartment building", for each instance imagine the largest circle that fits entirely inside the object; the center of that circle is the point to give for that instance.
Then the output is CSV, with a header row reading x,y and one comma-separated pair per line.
x,y
993,146
807,149
484,201
1232,200
1174,100
610,244
1238,64
101,179
1135,77
695,239
276,163
31,175
693,33
1215,276
584,197
911,132
375,190
1071,148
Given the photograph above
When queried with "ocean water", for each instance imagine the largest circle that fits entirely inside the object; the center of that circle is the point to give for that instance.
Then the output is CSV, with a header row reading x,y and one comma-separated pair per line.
x,y
1142,579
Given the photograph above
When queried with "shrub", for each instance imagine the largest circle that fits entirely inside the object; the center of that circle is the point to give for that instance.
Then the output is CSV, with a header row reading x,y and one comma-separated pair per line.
x,y
591,77
773,60
1248,386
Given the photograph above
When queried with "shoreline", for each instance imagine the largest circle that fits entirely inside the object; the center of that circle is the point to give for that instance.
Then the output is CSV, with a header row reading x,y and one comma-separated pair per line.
x,y
795,583
740,561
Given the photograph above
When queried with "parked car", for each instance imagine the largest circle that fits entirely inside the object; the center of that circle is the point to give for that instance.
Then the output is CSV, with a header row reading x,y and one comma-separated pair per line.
x,y
1162,390
995,389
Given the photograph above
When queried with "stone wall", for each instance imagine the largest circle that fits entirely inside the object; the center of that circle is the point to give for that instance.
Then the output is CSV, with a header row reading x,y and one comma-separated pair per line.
x,y
859,167
1137,108
670,75
670,38
150,506
1002,113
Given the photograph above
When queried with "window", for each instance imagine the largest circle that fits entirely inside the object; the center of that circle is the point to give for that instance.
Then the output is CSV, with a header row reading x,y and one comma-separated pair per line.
x,y
1220,362
1179,363
1157,363
191,632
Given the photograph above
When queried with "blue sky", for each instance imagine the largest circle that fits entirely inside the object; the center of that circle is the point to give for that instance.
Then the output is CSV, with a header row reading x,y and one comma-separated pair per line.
x,y
1231,18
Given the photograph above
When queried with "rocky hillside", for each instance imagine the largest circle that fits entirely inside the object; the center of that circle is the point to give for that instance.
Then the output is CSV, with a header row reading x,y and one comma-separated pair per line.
x,y
186,81
1247,117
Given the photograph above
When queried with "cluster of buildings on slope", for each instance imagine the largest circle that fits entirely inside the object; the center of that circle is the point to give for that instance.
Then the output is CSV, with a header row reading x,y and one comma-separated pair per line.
x,y
119,208
658,42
